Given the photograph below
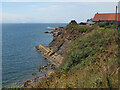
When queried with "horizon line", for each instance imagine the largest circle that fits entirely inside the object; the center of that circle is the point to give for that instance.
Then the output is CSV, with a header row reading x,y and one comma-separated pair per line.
x,y
30,22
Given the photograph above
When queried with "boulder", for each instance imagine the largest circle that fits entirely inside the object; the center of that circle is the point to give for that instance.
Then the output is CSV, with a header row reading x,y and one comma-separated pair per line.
x,y
73,22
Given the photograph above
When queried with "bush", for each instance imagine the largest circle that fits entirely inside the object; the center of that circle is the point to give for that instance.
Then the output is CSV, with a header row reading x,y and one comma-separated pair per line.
x,y
102,24
88,47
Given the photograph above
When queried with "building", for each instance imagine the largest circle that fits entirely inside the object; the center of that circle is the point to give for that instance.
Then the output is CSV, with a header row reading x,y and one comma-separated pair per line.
x,y
106,17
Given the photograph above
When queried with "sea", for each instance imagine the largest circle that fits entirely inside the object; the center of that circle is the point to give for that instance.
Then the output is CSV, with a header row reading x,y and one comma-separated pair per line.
x,y
19,57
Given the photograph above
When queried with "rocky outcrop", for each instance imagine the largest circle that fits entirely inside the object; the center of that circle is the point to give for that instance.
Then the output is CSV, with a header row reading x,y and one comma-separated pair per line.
x,y
51,28
73,22
62,38
50,54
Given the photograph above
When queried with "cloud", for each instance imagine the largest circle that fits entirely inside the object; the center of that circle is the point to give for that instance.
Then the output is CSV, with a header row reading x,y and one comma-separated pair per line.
x,y
38,18
55,6
54,12
20,18
60,0
11,17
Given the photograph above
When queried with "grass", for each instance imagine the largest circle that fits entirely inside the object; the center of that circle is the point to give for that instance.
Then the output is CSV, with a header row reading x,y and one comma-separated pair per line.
x,y
91,61
80,28
86,48
16,86
94,57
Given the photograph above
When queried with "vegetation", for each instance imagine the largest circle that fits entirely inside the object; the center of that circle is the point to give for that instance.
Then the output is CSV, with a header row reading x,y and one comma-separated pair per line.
x,y
107,25
91,61
79,28
15,85
88,47
93,58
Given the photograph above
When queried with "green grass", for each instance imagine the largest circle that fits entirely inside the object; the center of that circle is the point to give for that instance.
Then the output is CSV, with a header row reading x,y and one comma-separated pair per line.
x,y
91,61
94,56
87,47
15,85
80,28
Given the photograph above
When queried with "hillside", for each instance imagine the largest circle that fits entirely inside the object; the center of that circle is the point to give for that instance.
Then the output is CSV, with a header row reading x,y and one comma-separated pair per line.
x,y
90,57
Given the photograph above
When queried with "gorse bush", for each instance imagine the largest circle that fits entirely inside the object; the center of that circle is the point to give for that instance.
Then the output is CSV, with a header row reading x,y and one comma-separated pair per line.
x,y
89,46
15,86
91,60
107,25
80,28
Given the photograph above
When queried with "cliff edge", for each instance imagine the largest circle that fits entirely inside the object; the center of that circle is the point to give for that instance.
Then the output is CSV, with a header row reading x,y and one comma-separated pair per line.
x,y
87,56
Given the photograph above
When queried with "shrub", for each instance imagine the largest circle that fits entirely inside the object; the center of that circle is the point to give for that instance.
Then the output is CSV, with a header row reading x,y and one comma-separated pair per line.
x,y
88,47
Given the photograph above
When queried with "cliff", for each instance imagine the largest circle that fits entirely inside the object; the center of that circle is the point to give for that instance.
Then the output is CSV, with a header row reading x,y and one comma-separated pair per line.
x,y
50,54
87,57
62,38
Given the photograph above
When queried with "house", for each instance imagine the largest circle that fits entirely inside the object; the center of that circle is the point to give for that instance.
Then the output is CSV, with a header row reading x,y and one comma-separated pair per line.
x,y
107,17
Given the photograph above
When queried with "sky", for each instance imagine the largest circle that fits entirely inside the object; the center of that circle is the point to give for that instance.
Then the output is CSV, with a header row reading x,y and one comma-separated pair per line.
x,y
60,0
53,12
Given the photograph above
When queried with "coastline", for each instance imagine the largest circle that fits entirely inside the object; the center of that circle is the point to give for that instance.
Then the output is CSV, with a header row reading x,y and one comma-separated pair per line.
x,y
55,51
20,59
50,54
74,48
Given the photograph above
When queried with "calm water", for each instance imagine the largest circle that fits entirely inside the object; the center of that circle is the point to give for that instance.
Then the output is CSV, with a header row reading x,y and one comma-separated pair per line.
x,y
19,58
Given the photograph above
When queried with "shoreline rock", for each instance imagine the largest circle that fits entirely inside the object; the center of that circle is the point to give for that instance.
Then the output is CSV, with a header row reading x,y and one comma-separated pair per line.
x,y
49,54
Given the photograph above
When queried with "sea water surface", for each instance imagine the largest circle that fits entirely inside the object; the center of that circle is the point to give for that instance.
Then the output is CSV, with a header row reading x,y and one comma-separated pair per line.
x,y
19,58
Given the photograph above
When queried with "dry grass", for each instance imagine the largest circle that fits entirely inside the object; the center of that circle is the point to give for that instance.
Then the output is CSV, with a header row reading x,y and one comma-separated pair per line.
x,y
91,61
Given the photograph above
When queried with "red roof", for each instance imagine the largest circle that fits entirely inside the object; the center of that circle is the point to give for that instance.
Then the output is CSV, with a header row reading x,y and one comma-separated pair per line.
x,y
106,17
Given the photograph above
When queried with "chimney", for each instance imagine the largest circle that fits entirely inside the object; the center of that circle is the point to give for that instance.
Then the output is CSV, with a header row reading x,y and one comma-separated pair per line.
x,y
116,15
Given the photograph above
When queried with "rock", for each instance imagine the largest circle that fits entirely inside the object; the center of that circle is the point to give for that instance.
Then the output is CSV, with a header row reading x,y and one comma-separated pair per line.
x,y
60,44
73,22
34,74
50,53
29,86
49,64
26,84
45,66
28,81
46,32
50,73
42,68
52,66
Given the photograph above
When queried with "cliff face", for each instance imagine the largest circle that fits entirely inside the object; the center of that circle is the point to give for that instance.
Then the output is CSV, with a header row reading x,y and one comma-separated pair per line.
x,y
62,38
89,57
68,34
